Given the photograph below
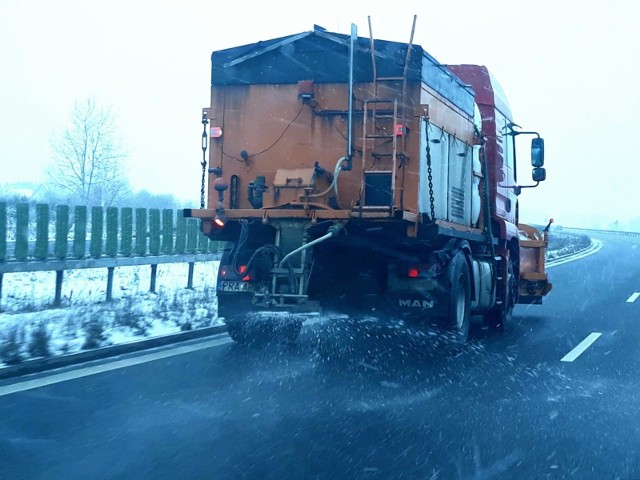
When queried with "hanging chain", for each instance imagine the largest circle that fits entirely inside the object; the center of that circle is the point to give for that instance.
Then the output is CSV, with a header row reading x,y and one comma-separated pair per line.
x,y
430,171
205,121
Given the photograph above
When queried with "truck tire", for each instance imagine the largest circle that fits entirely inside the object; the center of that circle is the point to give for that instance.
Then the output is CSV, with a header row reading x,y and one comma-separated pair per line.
x,y
459,317
499,318
243,334
257,333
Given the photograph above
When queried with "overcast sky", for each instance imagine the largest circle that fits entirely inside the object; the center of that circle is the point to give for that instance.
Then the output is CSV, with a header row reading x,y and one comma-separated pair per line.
x,y
569,68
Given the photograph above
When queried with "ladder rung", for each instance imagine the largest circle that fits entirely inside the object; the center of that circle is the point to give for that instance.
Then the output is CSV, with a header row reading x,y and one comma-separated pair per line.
x,y
378,171
385,116
388,78
374,154
379,136
379,100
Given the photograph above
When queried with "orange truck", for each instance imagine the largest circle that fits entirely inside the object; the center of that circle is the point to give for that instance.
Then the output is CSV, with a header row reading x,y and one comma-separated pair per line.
x,y
348,173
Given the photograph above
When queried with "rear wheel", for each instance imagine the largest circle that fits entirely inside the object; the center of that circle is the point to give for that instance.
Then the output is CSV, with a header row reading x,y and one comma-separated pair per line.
x,y
499,318
459,318
261,331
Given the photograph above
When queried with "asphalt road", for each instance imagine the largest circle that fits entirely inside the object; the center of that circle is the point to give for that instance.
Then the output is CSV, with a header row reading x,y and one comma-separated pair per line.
x,y
395,401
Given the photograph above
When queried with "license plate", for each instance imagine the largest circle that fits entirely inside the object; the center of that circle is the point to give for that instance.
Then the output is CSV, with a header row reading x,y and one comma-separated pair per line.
x,y
227,286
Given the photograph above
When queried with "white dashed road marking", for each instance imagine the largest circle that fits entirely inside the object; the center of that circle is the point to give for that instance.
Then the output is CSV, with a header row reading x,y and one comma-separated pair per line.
x,y
581,347
633,297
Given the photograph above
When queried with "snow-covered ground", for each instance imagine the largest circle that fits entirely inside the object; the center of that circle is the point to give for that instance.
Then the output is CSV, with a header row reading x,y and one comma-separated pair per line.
x,y
28,324
30,328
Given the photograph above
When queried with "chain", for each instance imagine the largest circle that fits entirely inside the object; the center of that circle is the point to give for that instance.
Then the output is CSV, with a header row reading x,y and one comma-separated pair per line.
x,y
430,172
205,121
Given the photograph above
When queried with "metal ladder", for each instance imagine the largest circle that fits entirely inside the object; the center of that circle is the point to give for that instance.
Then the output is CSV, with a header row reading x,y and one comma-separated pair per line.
x,y
382,118
377,132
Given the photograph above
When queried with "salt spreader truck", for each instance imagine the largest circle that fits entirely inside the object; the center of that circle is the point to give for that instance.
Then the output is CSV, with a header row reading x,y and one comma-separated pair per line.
x,y
351,173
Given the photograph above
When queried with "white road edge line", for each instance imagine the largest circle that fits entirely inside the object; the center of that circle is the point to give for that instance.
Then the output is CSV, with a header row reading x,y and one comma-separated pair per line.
x,y
595,247
633,297
107,367
581,347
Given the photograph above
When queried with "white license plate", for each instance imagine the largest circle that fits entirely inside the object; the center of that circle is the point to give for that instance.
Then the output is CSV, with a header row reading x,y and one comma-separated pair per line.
x,y
227,286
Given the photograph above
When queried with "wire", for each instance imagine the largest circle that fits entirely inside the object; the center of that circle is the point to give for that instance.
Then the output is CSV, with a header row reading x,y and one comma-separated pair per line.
x,y
281,135
271,146
231,156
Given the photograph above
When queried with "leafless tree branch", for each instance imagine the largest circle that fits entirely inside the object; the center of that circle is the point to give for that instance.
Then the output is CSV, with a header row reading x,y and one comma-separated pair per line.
x,y
88,158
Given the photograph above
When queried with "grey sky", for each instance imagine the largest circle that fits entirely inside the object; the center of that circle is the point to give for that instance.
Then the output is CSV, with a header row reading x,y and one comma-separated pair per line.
x,y
568,67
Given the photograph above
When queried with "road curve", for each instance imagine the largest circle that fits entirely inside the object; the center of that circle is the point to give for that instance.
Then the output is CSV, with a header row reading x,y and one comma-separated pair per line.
x,y
362,399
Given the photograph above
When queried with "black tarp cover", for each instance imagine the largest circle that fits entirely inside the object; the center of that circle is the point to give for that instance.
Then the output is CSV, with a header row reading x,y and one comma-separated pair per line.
x,y
324,58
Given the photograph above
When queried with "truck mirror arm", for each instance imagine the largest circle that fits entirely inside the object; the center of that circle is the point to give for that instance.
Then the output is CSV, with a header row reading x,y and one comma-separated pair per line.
x,y
517,189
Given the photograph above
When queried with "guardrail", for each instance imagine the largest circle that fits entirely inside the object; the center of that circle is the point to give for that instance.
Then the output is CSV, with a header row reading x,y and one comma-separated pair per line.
x,y
604,232
68,238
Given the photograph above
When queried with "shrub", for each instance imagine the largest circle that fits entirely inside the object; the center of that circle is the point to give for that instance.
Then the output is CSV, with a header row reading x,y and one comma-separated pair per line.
x,y
94,334
10,347
39,343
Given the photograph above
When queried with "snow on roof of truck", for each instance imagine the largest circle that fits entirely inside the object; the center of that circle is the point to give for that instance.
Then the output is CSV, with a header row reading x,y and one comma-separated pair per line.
x,y
323,57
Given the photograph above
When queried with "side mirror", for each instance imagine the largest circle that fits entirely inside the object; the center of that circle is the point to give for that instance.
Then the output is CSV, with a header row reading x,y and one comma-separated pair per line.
x,y
539,174
537,152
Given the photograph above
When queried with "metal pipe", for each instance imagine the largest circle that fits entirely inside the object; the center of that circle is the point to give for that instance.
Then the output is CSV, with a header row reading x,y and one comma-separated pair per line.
x,y
352,41
333,231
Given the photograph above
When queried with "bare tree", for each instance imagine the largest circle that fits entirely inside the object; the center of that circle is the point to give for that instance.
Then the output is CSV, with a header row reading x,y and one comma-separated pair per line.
x,y
88,158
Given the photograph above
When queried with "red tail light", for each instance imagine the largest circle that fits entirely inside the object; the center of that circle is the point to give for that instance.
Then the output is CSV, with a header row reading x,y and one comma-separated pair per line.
x,y
242,269
413,272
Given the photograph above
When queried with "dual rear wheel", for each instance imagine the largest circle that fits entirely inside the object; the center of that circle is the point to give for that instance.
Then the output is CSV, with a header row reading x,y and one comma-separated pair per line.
x,y
459,318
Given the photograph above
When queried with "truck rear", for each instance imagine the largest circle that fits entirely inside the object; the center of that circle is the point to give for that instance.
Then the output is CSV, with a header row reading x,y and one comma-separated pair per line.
x,y
354,174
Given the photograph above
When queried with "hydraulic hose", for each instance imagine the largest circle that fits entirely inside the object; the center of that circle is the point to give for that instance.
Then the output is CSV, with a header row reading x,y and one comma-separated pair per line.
x,y
333,231
334,182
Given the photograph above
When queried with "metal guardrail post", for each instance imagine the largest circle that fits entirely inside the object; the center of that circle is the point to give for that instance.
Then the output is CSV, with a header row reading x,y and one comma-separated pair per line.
x,y
190,276
58,296
110,271
154,273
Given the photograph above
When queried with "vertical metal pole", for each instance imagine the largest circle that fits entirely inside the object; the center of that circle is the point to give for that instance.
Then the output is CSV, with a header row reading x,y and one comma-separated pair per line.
x,y
110,283
154,271
190,277
352,41
0,291
59,277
